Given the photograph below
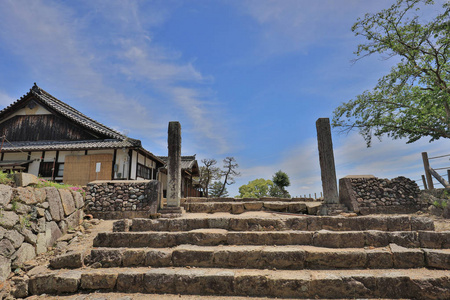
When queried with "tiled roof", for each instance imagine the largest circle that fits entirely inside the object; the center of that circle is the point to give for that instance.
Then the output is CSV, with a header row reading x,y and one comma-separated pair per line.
x,y
65,145
67,111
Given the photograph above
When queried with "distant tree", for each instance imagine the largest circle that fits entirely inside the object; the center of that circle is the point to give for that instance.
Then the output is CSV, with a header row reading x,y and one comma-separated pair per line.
x,y
256,188
413,100
216,190
208,172
281,181
228,173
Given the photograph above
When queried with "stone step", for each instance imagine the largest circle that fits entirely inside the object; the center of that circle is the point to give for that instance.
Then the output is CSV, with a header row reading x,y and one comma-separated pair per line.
x,y
229,199
267,257
330,284
277,223
322,238
237,207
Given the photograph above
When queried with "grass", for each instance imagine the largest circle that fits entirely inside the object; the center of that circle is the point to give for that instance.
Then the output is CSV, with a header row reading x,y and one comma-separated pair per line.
x,y
45,183
5,178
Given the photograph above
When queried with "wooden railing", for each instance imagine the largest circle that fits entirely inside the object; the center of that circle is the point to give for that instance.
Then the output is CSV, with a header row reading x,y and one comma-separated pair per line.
x,y
433,172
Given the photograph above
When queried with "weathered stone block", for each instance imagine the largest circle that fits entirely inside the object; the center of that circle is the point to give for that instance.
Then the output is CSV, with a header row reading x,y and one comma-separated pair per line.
x,y
158,258
67,201
70,260
405,258
25,179
5,194
379,259
237,208
439,259
55,206
256,286
52,233
15,237
99,280
133,257
25,253
109,258
326,259
284,259
130,282
333,239
8,219
192,257
253,206
78,199
40,195
5,267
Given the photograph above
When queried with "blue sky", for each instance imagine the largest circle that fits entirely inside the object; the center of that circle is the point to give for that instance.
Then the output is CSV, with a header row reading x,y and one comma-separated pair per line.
x,y
246,78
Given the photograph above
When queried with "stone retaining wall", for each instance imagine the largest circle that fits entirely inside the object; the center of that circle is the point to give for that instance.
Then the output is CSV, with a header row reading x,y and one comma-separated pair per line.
x,y
122,198
32,219
377,195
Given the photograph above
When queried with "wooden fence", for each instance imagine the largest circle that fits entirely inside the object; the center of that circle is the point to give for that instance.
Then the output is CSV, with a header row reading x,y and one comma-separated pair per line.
x,y
436,172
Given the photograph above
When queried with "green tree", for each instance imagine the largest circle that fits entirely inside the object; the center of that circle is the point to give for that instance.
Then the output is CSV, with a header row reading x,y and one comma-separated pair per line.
x,y
413,100
281,181
216,190
256,188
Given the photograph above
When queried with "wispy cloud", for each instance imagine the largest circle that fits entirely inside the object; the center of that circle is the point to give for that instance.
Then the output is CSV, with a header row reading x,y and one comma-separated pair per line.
x,y
5,99
64,47
292,25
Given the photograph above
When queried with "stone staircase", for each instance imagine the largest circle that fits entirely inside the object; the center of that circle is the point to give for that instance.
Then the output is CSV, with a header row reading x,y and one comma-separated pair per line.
x,y
261,255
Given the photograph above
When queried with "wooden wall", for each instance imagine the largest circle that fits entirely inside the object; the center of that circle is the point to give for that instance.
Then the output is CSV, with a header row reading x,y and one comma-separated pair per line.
x,y
41,128
81,169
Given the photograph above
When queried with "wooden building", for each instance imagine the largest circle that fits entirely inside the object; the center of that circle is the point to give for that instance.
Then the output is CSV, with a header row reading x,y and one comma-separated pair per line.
x,y
44,136
189,174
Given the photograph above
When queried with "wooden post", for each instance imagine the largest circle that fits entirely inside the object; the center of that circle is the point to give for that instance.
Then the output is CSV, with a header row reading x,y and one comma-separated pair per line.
x,y
448,175
424,183
326,158
426,166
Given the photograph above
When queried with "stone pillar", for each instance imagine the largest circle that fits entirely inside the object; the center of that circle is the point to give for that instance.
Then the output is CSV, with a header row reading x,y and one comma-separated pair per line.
x,y
174,165
326,158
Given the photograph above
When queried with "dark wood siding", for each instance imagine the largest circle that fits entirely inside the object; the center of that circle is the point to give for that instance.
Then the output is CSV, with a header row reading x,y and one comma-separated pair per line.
x,y
42,128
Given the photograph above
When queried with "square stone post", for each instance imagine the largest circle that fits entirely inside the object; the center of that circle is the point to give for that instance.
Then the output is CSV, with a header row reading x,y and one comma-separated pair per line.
x,y
174,165
327,167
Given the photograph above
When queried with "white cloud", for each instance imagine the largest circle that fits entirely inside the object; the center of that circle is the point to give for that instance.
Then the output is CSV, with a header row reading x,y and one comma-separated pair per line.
x,y
5,99
293,25
64,51
386,159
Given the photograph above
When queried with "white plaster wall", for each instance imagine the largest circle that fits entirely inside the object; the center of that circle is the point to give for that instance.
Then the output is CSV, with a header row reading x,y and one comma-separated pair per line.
x,y
105,151
37,110
49,156
33,167
134,165
63,154
122,162
15,156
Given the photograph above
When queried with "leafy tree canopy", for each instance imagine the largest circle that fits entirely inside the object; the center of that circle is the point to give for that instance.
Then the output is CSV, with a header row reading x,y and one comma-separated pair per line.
x,y
413,100
256,189
281,179
217,190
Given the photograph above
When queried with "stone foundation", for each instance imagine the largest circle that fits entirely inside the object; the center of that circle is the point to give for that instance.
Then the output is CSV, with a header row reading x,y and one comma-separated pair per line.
x,y
383,196
122,198
32,219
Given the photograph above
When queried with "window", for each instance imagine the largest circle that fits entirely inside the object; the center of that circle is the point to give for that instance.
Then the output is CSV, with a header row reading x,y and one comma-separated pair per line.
x,y
46,169
144,172
60,170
